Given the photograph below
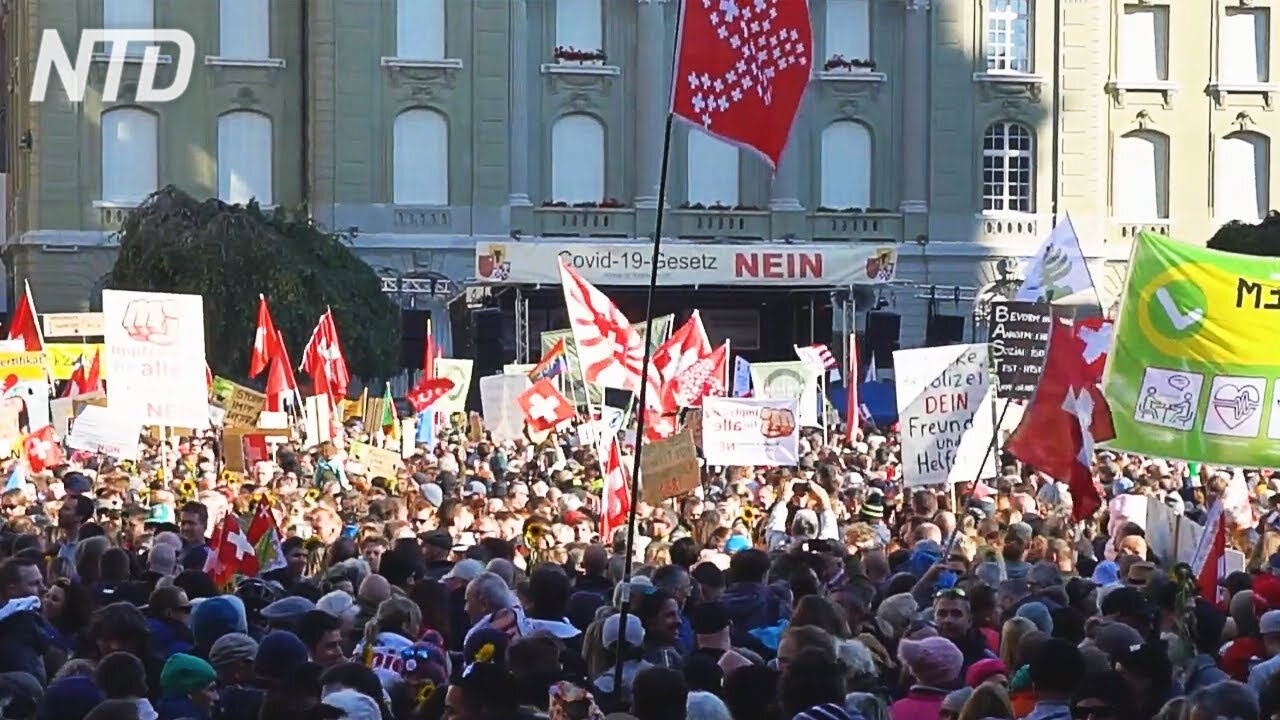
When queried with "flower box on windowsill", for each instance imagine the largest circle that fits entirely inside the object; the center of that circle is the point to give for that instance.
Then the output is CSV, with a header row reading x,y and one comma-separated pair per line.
x,y
860,75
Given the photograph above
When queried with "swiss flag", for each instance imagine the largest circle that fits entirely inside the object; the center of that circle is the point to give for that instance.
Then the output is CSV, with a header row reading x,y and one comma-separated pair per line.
x,y
616,500
25,325
742,67
42,450
544,407
230,553
428,392
264,339
323,360
1211,548
1067,414
280,378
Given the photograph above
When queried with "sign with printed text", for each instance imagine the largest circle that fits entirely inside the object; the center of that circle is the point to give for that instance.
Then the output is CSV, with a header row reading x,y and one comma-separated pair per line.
x,y
16,367
537,261
62,325
1019,338
63,358
377,461
243,405
155,357
669,467
944,413
105,431
750,431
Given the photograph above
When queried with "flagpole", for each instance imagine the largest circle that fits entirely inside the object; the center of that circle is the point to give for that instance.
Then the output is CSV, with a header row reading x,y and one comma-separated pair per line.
x,y
644,387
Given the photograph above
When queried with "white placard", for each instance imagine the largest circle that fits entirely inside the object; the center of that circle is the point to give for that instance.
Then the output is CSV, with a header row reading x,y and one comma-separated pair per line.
x,y
750,431
503,417
944,414
155,358
103,430
35,395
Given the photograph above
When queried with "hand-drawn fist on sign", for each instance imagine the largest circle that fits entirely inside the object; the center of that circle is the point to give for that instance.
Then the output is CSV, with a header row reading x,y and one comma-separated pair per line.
x,y
777,422
153,321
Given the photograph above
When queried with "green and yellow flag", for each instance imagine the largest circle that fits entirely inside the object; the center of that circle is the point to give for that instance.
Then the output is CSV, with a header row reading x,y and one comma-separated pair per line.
x,y
390,418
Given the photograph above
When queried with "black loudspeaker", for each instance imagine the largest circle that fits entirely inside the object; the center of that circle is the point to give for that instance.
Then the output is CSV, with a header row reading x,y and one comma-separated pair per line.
x,y
881,336
944,330
490,346
413,337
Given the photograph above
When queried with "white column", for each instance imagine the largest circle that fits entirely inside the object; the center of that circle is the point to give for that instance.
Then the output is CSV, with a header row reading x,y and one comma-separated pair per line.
x,y
518,129
784,190
652,49
915,110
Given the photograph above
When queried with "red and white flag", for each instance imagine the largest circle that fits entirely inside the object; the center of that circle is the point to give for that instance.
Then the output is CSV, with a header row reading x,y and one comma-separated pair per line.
x,y
42,450
1067,414
1211,550
264,339
852,411
817,357
25,323
686,346
230,553
610,351
428,391
280,378
265,537
323,360
544,407
742,67
616,499
706,377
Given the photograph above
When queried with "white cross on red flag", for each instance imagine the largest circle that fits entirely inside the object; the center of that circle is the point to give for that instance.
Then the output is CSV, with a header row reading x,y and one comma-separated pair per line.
x,y
742,67
42,450
544,407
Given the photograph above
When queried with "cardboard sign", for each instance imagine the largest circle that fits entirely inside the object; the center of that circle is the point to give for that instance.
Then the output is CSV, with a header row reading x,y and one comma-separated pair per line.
x,y
233,452
669,468
944,408
475,428
377,461
693,421
1019,339
243,405
102,430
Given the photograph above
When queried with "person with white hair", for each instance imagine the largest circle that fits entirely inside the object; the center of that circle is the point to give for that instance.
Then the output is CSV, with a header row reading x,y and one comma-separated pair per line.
x,y
706,706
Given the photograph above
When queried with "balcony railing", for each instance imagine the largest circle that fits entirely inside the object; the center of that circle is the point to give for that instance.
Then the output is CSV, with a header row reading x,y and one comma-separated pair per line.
x,y
855,224
713,223
585,222
1121,230
1012,228
418,218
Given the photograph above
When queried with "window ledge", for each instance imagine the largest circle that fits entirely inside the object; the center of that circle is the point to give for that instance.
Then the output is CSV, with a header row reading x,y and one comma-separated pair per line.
x,y
413,63
1007,215
222,61
1008,78
1165,88
580,69
115,205
851,76
132,58
1220,91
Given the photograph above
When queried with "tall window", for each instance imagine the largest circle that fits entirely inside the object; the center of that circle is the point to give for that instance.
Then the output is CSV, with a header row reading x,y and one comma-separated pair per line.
x,y
420,162
579,24
1009,36
129,159
846,165
420,29
848,29
577,159
244,29
1140,178
244,158
1241,177
1008,168
712,170
1245,47
129,15
1144,43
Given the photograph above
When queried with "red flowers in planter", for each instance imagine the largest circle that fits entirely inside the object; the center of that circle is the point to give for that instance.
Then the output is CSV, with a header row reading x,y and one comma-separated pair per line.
x,y
572,54
840,62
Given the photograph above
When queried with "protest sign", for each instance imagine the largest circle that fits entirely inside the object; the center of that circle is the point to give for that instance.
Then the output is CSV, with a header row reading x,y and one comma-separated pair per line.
x,y
750,431
104,430
61,411
217,416
64,356
377,461
669,467
317,427
409,436
244,405
87,324
1019,338
35,395
1192,371
10,421
503,417
944,414
155,357
790,380
16,367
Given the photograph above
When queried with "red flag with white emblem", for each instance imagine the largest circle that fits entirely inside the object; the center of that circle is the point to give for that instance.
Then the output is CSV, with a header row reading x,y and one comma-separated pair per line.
x,y
1068,413
25,323
616,498
323,360
686,346
742,67
263,340
428,392
230,553
703,378
42,450
610,351
544,407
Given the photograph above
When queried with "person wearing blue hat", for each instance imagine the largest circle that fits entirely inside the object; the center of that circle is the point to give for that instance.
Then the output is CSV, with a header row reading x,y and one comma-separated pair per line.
x,y
736,544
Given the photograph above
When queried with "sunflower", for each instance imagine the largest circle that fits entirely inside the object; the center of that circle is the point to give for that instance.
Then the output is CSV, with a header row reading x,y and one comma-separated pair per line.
x,y
312,495
187,489
485,653
425,693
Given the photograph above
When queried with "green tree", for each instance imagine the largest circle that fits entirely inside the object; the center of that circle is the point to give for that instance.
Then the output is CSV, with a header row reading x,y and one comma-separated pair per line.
x,y
231,253
1246,239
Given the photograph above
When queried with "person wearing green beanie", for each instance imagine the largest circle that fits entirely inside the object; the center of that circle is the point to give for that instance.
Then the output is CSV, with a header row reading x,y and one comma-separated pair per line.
x,y
187,688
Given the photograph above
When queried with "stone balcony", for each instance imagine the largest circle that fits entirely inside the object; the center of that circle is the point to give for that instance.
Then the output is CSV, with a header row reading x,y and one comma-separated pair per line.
x,y
855,224
1027,229
735,223
550,221
1126,231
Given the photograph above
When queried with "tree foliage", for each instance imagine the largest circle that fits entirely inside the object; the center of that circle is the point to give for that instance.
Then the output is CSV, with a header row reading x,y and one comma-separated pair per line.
x,y
1260,239
231,253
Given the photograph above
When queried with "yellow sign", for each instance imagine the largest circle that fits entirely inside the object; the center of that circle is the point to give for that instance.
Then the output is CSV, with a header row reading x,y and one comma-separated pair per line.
x,y
378,462
63,356
24,366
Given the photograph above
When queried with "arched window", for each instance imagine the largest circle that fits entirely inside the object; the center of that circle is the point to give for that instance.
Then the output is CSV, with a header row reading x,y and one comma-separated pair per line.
x,y
846,165
1241,177
245,158
579,24
712,166
244,29
1008,168
577,159
420,158
420,29
1140,177
130,167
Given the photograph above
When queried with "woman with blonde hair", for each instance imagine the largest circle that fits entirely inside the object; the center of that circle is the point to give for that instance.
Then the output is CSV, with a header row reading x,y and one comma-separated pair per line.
x,y
988,700
1010,638
392,629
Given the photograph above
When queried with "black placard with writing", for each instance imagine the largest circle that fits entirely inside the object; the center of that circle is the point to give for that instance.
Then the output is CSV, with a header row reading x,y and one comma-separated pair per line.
x,y
1019,337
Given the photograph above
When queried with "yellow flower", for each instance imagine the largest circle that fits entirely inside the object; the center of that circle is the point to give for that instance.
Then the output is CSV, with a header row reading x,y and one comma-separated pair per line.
x,y
312,495
485,653
425,693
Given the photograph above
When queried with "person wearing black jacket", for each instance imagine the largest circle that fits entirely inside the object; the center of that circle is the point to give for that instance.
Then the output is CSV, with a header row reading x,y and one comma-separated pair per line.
x,y
24,634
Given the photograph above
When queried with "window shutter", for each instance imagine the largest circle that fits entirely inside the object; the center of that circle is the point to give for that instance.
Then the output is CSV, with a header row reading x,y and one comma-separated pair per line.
x,y
712,169
421,158
577,159
420,29
1241,178
848,29
129,155
846,165
245,158
1141,187
579,24
1143,46
244,29
1245,46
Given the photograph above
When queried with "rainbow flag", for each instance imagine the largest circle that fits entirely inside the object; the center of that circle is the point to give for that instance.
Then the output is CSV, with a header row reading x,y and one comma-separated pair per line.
x,y
551,364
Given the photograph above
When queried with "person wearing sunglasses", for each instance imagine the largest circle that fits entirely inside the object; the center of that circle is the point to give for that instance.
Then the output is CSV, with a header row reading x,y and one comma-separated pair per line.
x,y
1103,695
